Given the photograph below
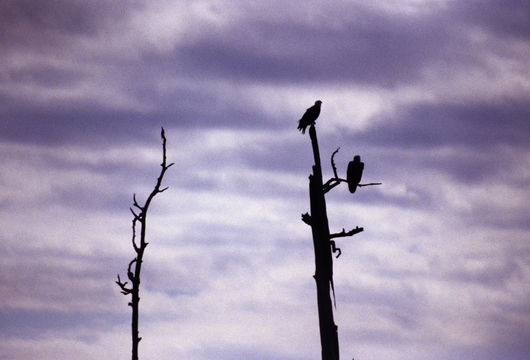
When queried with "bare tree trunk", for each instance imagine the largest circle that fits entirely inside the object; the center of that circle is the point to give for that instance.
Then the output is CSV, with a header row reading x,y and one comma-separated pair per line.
x,y
323,259
134,277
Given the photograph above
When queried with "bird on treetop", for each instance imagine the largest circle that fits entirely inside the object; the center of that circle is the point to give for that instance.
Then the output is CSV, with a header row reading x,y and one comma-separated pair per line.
x,y
309,117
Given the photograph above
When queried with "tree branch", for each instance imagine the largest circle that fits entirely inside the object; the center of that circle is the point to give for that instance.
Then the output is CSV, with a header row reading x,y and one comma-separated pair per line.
x,y
123,286
331,183
369,184
135,203
333,163
136,216
343,233
164,166
334,181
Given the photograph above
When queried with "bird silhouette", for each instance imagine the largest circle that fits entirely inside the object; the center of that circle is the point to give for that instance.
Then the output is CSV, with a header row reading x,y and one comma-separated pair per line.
x,y
309,117
354,173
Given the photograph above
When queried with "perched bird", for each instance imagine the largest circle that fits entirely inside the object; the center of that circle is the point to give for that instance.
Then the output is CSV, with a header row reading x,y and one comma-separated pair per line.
x,y
309,117
354,173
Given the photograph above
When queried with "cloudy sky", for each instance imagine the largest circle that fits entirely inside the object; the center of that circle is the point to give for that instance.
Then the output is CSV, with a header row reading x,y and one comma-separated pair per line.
x,y
434,95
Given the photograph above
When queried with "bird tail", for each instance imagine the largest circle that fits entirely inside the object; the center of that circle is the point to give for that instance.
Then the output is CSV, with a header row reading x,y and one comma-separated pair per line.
x,y
301,127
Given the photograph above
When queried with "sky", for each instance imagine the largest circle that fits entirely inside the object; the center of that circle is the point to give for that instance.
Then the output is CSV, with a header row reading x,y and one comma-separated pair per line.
x,y
434,96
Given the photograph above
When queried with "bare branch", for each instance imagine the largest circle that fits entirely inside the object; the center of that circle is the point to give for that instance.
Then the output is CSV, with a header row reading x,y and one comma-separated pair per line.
x,y
123,286
164,166
119,282
334,181
328,183
343,233
125,291
136,216
333,163
369,184
135,203
331,183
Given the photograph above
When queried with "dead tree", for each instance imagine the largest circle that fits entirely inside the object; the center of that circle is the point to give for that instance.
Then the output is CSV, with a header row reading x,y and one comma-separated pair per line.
x,y
324,246
139,213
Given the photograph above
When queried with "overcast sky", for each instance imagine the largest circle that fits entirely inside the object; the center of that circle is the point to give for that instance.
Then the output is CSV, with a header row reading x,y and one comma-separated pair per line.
x,y
434,96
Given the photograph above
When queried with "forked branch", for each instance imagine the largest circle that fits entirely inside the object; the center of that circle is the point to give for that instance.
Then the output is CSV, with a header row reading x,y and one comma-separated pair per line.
x,y
123,286
343,233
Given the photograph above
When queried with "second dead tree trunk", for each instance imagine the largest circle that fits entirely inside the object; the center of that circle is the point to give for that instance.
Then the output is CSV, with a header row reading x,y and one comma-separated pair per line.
x,y
139,216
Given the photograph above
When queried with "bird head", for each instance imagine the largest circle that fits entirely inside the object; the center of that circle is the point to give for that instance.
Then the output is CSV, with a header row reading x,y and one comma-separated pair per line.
x,y
318,102
357,158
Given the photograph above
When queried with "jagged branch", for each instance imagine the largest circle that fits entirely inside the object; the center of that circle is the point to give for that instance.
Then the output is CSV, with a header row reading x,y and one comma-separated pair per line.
x,y
123,286
343,233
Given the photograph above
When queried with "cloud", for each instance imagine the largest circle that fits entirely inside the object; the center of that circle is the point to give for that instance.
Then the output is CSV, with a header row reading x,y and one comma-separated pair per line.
x,y
455,124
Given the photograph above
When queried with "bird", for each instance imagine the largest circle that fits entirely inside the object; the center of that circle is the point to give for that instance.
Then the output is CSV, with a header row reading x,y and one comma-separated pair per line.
x,y
309,117
354,173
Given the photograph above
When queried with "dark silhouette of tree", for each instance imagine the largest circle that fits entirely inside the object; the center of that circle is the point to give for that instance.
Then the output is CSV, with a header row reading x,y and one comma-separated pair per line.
x,y
135,265
323,244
